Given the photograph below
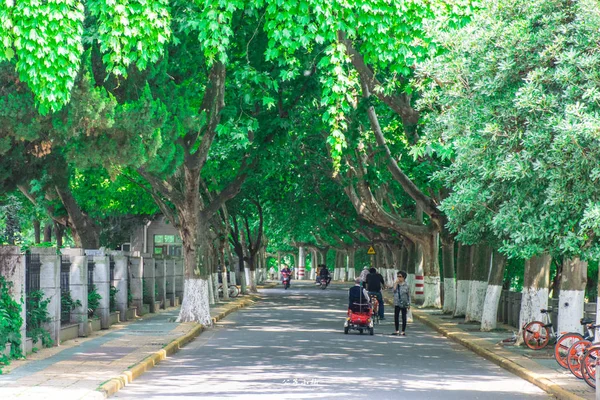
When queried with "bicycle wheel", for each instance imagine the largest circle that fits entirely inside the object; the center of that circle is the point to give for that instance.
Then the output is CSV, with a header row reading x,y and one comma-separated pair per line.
x,y
536,335
561,348
589,359
234,291
574,355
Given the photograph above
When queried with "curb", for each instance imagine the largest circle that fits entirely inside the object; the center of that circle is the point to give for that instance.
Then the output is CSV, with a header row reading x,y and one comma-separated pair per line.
x,y
463,338
113,385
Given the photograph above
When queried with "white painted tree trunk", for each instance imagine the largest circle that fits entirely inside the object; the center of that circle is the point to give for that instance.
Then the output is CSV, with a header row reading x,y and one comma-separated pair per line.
x,y
410,280
225,285
535,291
449,295
351,274
249,281
570,310
490,308
462,298
571,295
211,295
215,279
533,300
477,291
232,279
253,279
195,306
432,292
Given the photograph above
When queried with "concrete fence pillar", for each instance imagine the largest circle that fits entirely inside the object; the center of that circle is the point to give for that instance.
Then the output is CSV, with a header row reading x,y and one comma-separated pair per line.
x,y
120,283
78,286
102,283
12,268
161,281
50,286
179,280
149,282
170,282
136,273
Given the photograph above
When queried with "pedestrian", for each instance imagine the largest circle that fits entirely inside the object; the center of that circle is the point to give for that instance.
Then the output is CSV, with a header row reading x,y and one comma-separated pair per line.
x,y
375,283
401,301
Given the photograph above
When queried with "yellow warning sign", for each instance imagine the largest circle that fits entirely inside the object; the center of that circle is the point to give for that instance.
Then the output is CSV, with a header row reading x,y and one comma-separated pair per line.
x,y
371,250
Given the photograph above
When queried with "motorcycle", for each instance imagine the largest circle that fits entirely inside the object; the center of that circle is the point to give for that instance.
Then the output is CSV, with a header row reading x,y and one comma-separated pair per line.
x,y
285,280
323,283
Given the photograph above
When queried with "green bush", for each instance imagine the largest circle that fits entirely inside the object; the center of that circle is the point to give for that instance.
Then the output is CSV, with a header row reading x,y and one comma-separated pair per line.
x,y
67,304
113,298
93,300
36,316
10,323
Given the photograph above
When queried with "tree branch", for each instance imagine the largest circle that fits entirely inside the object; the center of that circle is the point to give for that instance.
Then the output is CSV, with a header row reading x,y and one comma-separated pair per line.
x,y
400,104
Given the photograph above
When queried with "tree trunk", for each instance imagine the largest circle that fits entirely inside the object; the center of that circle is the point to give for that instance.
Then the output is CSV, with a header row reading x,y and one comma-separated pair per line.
x,y
222,244
535,289
411,264
431,269
463,267
48,233
195,305
479,281
449,276
37,231
572,294
403,264
59,233
248,267
494,290
351,268
86,233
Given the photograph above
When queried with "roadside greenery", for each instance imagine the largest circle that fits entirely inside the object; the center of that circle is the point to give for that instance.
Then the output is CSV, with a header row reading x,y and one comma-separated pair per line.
x,y
93,300
36,316
10,324
265,125
67,304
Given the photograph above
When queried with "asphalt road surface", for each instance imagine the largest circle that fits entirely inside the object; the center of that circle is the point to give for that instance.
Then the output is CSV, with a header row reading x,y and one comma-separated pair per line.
x,y
292,345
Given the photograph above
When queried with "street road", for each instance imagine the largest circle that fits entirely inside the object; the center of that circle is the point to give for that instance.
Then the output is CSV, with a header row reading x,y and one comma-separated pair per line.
x,y
291,345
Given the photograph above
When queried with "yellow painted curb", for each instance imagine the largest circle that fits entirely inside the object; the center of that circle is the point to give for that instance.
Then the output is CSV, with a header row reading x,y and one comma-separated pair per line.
x,y
115,384
465,339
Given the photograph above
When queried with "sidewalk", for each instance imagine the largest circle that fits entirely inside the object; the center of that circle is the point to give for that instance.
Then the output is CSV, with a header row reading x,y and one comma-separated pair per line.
x,y
538,367
98,366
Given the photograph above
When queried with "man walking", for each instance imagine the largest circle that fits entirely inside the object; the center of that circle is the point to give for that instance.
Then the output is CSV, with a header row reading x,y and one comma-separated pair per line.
x,y
375,283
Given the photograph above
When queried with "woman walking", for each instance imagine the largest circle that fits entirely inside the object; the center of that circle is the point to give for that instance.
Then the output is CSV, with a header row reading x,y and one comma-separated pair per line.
x,y
401,301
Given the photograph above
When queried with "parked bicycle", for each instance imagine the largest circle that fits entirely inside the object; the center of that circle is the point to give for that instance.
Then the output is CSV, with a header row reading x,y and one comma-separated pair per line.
x,y
588,362
537,334
234,291
565,341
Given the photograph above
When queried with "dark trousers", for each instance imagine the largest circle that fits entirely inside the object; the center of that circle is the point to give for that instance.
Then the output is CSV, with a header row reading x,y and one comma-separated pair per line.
x,y
396,315
380,300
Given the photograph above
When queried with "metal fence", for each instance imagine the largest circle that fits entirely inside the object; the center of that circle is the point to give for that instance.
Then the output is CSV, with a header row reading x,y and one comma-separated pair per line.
x,y
112,269
32,273
65,290
90,276
509,309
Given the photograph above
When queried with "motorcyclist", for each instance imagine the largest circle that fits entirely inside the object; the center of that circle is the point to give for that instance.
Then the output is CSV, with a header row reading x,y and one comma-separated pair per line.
x,y
324,275
286,273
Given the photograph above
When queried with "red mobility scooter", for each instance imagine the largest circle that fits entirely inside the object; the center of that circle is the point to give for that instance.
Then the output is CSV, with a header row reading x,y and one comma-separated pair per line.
x,y
360,318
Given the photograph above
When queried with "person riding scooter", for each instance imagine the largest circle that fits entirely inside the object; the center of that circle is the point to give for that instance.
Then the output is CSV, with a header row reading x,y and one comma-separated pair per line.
x,y
286,277
324,275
